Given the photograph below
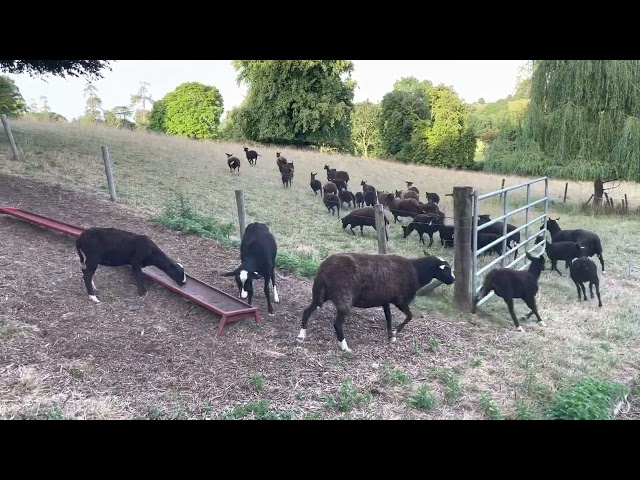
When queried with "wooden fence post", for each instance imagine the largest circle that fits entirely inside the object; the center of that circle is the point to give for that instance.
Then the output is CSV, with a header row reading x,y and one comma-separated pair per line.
x,y
462,222
381,228
566,187
108,168
242,214
501,187
12,142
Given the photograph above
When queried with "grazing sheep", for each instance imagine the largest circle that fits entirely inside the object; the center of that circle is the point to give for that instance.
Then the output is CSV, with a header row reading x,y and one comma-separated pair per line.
x,y
485,238
113,247
566,251
252,156
233,162
585,238
585,270
316,185
347,197
359,199
333,174
370,197
332,201
509,284
365,280
330,187
258,250
363,217
366,187
287,175
432,197
408,207
414,189
446,235
424,223
513,239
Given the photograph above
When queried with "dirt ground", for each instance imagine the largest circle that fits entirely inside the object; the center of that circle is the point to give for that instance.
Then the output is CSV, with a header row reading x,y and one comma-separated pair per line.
x,y
158,356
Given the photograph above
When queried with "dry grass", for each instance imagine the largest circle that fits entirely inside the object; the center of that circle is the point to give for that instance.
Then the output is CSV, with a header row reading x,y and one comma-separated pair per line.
x,y
208,376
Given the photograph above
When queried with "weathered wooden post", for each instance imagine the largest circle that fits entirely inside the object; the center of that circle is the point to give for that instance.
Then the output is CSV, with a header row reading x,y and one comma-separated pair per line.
x,y
566,187
242,214
381,228
108,168
12,142
462,222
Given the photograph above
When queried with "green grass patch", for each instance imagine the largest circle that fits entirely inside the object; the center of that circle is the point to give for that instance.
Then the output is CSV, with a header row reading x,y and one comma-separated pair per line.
x,y
255,410
586,399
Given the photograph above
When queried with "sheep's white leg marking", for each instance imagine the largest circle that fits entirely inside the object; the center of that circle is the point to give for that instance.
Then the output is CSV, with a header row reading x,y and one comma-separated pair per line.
x,y
276,298
343,346
82,264
94,299
303,334
520,329
93,284
542,324
243,278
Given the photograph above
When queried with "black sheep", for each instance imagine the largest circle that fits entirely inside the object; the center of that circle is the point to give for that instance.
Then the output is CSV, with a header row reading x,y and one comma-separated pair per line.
x,y
566,251
585,238
485,239
287,175
363,217
513,238
347,197
585,270
370,197
258,250
433,197
315,184
113,247
359,199
446,235
340,184
332,201
252,156
509,284
424,223
233,162
365,280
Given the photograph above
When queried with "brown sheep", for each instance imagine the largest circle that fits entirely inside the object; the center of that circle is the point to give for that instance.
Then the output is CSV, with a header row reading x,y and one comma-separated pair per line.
x,y
332,202
281,161
359,199
413,189
347,197
408,207
287,175
366,187
411,194
354,280
316,185
233,162
363,217
330,187
333,174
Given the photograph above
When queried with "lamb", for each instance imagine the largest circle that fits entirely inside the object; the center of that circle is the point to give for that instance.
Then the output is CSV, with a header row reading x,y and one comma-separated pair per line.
x,y
446,235
585,238
566,251
252,156
333,174
316,185
114,247
258,250
366,187
233,162
497,228
370,197
365,280
347,197
363,217
409,187
585,270
509,284
424,223
433,197
330,187
332,201
287,175
485,238
359,199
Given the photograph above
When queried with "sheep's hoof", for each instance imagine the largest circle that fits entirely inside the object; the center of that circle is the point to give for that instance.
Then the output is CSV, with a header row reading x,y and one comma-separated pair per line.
x,y
542,324
94,299
394,333
393,339
520,329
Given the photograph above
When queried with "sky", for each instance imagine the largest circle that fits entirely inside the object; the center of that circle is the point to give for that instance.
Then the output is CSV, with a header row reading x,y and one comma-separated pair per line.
x,y
471,79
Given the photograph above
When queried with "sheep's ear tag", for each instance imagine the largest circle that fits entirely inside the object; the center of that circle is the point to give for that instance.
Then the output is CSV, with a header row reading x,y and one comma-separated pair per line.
x,y
442,267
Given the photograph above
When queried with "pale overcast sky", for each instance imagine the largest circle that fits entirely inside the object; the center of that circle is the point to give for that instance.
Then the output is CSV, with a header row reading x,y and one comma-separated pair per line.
x,y
472,79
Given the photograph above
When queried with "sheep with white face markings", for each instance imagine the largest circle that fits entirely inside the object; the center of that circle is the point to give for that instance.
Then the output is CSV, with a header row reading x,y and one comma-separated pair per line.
x,y
365,280
114,247
509,284
585,270
258,250
566,251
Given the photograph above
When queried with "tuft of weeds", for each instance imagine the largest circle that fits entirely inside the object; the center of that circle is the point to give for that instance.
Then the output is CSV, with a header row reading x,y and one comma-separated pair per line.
x,y
255,410
422,398
451,383
489,406
348,398
256,381
586,399
7,329
394,376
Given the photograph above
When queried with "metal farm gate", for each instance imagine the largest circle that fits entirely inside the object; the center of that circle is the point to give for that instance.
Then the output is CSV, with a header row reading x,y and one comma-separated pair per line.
x,y
476,281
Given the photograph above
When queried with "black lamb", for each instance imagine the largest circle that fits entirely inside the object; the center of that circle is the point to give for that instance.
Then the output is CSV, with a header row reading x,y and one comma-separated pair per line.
x,y
585,270
424,223
315,184
332,202
509,284
585,238
365,280
363,217
566,251
113,247
252,156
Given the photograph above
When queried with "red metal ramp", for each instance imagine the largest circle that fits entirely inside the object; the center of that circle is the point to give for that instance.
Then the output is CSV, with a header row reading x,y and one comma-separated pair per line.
x,y
230,308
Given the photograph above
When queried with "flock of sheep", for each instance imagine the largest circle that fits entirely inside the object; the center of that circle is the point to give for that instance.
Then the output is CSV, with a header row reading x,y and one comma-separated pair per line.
x,y
353,279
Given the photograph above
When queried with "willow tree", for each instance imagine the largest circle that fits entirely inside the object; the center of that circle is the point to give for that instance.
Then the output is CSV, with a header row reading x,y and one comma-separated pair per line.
x,y
584,116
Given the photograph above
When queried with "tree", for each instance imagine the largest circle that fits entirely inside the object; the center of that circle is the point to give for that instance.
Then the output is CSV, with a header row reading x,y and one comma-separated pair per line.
x,y
157,117
481,101
140,100
60,68
412,84
364,127
93,106
11,101
296,101
400,112
193,110
582,123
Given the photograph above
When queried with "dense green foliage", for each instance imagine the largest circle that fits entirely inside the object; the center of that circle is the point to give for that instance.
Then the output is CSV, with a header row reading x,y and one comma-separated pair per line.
x,y
60,68
304,102
587,399
156,117
364,129
193,110
11,101
582,123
